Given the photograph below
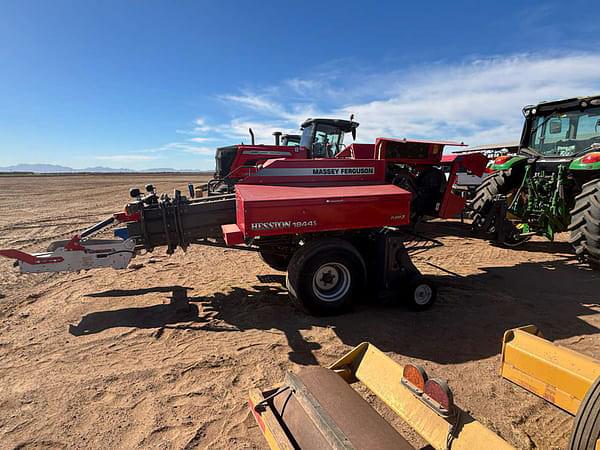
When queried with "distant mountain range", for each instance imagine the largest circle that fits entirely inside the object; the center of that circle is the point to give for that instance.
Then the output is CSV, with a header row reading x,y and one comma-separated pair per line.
x,y
53,168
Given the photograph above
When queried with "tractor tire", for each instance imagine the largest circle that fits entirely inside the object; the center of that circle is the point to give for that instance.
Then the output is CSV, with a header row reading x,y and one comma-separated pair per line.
x,y
276,261
586,426
499,183
585,224
493,185
326,276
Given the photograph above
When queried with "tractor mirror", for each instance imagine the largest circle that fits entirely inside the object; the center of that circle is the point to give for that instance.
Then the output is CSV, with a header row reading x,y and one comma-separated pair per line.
x,y
597,125
555,126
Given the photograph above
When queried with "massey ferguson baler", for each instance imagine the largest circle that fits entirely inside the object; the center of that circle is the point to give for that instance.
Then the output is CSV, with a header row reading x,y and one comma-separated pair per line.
x,y
335,224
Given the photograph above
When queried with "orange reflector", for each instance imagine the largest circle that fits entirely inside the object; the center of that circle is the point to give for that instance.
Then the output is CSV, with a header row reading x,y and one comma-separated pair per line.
x,y
439,396
591,158
414,377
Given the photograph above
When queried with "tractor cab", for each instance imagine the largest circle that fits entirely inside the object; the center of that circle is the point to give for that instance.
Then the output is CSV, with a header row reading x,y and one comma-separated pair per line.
x,y
321,138
561,129
324,138
290,140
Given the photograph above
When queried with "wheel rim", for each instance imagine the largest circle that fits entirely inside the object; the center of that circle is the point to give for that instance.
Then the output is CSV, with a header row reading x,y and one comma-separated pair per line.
x,y
423,294
331,282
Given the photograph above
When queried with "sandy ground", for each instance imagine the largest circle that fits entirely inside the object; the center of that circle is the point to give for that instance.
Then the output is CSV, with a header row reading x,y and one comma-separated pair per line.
x,y
101,360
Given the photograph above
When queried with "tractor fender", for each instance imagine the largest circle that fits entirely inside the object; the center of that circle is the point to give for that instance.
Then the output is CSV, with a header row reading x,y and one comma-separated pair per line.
x,y
508,164
584,163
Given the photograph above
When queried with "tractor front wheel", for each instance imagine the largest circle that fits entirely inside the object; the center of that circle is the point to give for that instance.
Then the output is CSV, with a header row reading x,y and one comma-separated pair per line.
x,y
585,224
326,276
488,223
483,199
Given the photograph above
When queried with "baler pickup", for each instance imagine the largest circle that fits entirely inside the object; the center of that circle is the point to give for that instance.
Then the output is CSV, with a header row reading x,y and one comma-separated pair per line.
x,y
317,408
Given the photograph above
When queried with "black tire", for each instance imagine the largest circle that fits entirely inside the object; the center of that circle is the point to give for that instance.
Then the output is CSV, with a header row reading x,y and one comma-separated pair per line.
x,y
431,184
276,261
586,426
499,183
420,294
585,224
407,181
319,263
493,185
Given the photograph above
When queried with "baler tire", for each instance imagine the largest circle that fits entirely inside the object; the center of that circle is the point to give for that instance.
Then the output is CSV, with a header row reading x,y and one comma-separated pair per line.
x,y
586,426
421,293
585,224
276,261
335,255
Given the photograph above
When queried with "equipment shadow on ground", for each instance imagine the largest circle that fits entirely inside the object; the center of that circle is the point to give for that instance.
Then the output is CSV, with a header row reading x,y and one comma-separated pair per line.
x,y
441,229
156,316
467,322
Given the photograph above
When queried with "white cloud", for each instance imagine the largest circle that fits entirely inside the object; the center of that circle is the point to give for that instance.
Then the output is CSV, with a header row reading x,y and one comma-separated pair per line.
x,y
477,101
209,151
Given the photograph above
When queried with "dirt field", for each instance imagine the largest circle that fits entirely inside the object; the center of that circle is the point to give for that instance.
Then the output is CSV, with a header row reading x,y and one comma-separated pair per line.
x,y
100,360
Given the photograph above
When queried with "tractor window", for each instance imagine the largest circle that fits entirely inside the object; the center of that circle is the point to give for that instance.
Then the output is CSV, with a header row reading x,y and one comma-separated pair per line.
x,y
325,141
328,141
588,126
554,130
565,133
306,138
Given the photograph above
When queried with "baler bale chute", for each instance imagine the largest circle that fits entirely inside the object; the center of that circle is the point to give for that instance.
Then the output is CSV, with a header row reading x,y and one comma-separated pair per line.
x,y
563,377
317,408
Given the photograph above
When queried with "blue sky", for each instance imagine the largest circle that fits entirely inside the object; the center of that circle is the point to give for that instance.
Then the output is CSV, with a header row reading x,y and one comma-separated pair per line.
x,y
161,84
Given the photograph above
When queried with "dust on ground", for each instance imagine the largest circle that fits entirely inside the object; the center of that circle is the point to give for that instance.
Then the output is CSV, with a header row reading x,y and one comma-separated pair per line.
x,y
101,360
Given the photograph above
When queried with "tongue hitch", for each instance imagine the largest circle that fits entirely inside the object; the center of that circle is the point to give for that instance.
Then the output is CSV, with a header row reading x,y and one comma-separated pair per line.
x,y
78,253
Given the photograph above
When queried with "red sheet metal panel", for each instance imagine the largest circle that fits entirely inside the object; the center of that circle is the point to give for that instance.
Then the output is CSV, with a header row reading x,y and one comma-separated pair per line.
x,y
357,151
249,156
232,234
317,172
275,210
474,162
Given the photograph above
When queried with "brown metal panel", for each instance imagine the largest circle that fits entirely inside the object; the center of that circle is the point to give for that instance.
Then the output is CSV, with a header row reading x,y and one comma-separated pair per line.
x,y
350,414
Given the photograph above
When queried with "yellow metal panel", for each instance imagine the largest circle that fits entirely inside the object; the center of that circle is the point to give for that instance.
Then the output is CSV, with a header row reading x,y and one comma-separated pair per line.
x,y
268,424
382,376
555,373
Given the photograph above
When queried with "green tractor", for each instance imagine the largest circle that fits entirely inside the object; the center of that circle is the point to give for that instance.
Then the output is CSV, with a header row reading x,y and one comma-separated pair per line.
x,y
552,183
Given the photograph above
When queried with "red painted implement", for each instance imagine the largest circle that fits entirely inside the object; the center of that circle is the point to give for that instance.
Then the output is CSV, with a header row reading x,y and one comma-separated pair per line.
x,y
333,217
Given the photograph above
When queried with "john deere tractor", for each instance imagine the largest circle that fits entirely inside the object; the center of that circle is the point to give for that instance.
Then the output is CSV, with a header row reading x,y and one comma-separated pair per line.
x,y
552,183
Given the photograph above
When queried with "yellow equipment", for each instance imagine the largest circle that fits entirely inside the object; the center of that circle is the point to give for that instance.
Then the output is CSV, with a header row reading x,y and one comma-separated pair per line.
x,y
561,376
317,408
